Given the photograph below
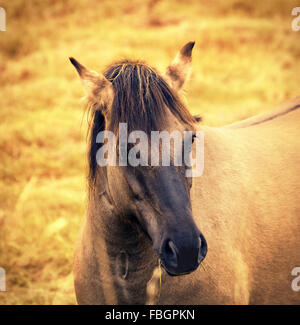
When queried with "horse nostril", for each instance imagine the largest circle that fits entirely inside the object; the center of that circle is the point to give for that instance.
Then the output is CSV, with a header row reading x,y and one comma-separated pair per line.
x,y
170,253
202,248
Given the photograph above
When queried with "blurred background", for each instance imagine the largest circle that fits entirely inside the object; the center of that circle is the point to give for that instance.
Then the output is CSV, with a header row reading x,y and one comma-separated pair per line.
x,y
245,61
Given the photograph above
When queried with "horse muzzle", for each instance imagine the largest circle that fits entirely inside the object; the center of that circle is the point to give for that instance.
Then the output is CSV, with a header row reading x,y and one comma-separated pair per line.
x,y
179,257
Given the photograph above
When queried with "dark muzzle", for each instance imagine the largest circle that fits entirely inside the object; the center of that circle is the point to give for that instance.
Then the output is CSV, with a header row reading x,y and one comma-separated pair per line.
x,y
183,254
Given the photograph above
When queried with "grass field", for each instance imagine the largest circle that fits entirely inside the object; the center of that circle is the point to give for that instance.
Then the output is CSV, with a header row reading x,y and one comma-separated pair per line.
x,y
246,60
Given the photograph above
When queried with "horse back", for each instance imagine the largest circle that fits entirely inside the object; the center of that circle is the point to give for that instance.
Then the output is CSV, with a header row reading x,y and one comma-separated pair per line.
x,y
275,113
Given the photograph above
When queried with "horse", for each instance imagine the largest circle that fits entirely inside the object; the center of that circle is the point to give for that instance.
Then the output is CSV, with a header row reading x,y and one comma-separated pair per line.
x,y
230,236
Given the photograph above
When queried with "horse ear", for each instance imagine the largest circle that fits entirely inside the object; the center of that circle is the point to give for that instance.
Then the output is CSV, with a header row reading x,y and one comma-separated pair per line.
x,y
99,89
178,71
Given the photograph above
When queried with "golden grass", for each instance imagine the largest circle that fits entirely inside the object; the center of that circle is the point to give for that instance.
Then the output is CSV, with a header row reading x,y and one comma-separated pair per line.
x,y
246,60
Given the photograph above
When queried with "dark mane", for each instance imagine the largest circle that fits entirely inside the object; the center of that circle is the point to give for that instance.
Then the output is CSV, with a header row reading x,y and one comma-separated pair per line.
x,y
141,99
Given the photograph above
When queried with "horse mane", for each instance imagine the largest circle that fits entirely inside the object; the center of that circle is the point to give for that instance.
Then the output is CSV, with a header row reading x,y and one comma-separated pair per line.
x,y
141,97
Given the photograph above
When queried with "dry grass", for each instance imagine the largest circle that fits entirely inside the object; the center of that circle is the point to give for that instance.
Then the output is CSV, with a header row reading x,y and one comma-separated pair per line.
x,y
246,60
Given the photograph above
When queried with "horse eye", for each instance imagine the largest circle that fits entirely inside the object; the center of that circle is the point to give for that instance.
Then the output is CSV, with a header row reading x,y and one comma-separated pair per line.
x,y
137,196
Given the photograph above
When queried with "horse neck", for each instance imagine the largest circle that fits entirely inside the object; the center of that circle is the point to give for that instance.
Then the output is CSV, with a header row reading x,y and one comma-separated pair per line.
x,y
122,248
